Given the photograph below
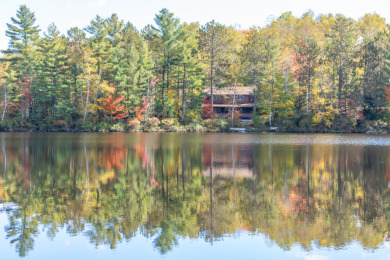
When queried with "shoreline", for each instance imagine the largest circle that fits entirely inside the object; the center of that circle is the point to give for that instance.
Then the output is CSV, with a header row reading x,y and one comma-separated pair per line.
x,y
204,131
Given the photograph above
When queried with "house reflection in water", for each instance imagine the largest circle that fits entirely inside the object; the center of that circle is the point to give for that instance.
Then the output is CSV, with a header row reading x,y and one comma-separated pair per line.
x,y
228,161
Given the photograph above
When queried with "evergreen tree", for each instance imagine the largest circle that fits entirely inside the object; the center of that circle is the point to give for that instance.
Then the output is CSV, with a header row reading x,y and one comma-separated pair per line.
x,y
307,60
22,32
214,47
53,90
341,51
23,38
131,67
166,31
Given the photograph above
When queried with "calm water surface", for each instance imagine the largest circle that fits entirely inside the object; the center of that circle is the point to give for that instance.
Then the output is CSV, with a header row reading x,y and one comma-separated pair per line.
x,y
194,196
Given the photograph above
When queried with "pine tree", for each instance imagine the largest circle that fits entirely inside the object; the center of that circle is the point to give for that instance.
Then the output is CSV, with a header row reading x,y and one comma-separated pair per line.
x,y
23,37
341,50
54,93
189,78
22,32
214,46
131,66
306,59
166,31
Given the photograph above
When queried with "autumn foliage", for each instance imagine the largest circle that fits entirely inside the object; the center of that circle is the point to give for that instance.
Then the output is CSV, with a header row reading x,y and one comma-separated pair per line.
x,y
140,112
24,95
308,74
207,109
387,94
112,106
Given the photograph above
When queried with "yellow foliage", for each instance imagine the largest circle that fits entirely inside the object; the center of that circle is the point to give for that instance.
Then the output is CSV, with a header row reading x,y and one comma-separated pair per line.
x,y
324,118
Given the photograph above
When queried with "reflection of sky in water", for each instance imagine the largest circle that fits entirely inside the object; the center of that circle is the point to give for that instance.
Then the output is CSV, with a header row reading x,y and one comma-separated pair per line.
x,y
236,246
259,182
302,139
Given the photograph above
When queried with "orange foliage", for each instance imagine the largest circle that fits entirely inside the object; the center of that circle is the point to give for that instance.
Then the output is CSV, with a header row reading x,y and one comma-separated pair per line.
x,y
387,93
236,116
115,158
207,110
146,103
112,106
140,112
142,152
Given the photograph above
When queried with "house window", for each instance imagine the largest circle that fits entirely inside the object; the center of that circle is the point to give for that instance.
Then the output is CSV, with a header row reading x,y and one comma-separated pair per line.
x,y
221,110
240,98
217,98
247,110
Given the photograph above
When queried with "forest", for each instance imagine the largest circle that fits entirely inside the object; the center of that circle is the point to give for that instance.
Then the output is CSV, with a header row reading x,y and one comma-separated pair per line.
x,y
324,73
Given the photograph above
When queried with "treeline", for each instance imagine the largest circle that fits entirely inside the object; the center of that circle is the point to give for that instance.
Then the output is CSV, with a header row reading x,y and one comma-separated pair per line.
x,y
326,73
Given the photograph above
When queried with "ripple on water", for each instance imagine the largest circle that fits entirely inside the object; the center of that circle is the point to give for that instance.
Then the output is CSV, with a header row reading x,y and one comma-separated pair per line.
x,y
302,139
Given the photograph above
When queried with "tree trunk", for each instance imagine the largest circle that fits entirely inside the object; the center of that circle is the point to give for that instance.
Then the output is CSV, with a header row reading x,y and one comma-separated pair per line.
x,y
308,89
212,72
340,85
87,99
178,83
270,104
254,91
183,103
234,95
5,101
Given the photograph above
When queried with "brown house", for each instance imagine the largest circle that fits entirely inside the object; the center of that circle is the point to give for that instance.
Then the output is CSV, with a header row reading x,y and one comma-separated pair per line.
x,y
223,101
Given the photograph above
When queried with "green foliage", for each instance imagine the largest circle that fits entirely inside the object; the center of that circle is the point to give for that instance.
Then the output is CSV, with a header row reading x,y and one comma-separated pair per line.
x,y
309,74
84,126
151,125
102,127
169,108
195,127
118,127
22,32
192,116
211,124
134,124
223,124
305,124
4,126
289,126
169,124
343,124
257,122
60,125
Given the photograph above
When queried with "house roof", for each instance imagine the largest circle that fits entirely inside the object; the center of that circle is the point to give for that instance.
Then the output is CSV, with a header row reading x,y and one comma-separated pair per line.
x,y
230,90
236,105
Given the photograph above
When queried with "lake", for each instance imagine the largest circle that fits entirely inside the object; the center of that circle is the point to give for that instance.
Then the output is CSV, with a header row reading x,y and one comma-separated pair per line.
x,y
194,196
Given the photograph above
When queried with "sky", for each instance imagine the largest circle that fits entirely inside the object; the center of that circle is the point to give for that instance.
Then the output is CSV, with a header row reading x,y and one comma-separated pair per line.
x,y
68,13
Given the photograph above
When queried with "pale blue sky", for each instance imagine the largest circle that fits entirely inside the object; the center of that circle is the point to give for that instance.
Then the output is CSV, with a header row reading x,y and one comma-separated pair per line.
x,y
68,13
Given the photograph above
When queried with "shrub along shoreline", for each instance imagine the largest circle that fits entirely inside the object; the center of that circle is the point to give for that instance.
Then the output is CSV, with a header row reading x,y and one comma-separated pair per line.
x,y
153,124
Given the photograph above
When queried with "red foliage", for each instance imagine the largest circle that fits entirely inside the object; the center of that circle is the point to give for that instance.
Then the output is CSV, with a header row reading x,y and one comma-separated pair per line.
x,y
112,106
360,115
146,103
236,116
24,94
207,109
140,112
305,59
115,158
387,93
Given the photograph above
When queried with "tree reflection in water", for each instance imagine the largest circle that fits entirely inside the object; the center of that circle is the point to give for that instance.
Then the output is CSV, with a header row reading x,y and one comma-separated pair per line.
x,y
204,186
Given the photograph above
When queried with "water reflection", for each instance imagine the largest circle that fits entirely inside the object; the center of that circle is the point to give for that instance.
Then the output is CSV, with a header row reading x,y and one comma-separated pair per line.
x,y
110,187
